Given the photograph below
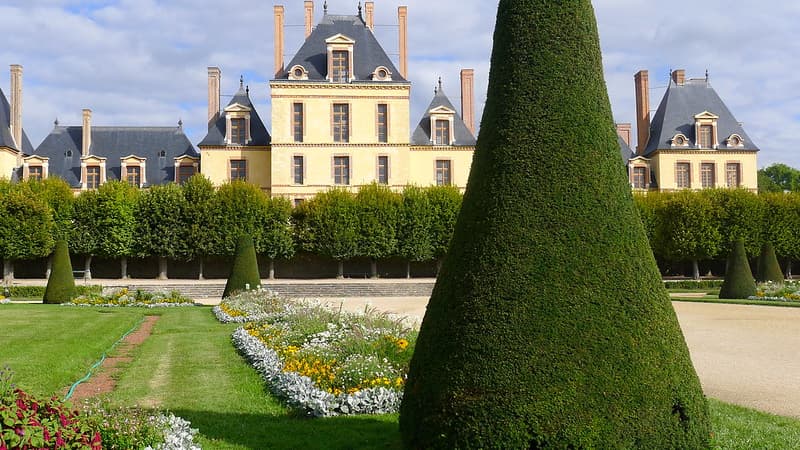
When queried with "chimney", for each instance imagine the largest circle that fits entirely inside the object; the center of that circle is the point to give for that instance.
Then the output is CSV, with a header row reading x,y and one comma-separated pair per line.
x,y
624,131
468,98
278,40
370,8
679,77
16,105
402,19
214,78
642,83
309,17
87,132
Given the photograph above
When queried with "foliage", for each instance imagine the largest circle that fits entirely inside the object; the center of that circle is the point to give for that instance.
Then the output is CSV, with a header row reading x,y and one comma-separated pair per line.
x,y
61,284
239,208
138,298
739,282
377,209
741,214
415,241
780,291
649,205
26,226
768,267
244,272
332,221
782,223
693,284
779,177
766,184
160,231
445,202
57,195
200,217
549,326
105,221
687,228
278,233
38,291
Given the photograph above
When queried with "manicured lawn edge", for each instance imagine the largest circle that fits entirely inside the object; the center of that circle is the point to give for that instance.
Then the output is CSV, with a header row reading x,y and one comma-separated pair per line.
x,y
717,301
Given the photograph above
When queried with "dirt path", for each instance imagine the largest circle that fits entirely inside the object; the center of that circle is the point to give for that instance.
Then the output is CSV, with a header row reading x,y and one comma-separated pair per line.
x,y
102,381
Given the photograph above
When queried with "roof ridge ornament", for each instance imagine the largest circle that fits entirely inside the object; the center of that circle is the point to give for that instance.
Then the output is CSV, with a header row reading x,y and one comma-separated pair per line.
x,y
247,90
359,10
241,81
440,85
325,8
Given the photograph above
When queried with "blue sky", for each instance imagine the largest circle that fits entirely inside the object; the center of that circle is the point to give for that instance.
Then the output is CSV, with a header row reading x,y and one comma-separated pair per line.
x,y
143,62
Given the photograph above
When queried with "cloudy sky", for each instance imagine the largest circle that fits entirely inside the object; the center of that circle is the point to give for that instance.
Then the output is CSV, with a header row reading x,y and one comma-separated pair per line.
x,y
143,62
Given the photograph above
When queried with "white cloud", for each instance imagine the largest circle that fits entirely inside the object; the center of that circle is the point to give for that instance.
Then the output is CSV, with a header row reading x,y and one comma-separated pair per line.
x,y
138,62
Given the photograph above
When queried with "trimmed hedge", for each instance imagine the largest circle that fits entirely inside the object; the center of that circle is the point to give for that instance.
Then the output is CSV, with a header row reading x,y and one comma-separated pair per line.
x,y
768,267
693,284
520,347
38,291
244,272
61,285
739,282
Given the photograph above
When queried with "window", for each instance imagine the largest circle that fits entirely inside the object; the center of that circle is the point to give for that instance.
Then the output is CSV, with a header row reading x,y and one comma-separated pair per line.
x,y
383,169
298,202
341,122
297,122
733,174
442,136
706,136
238,134
133,175
707,175
443,172
383,123
92,177
340,66
35,172
238,169
341,170
184,173
640,177
298,169
683,175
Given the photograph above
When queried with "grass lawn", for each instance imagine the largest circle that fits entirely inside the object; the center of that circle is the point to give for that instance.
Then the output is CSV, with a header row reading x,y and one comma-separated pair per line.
x,y
188,366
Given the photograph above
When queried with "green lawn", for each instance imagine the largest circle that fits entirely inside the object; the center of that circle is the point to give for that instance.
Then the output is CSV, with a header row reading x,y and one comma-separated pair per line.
x,y
189,367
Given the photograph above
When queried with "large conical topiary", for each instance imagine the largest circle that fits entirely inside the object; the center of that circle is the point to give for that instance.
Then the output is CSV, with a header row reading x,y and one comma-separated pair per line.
x,y
768,267
61,284
244,273
549,326
739,282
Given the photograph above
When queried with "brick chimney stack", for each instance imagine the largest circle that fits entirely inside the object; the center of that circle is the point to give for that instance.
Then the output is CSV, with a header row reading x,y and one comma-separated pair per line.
x,y
402,20
624,131
279,19
369,7
468,98
16,105
87,132
309,4
642,83
214,79
679,77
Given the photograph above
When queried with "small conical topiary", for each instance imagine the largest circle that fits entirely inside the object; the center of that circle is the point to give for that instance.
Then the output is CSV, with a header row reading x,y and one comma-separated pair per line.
x,y
739,282
244,273
61,284
521,347
768,267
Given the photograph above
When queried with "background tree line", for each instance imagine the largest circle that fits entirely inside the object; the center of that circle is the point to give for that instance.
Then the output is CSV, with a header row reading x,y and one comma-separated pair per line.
x,y
196,221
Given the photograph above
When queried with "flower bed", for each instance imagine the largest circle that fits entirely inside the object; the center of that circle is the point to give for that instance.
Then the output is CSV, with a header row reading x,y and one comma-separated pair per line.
x,y
141,299
251,306
4,301
788,291
325,362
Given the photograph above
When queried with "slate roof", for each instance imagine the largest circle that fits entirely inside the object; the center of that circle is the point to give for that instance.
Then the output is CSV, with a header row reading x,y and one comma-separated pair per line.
x,y
422,135
115,143
6,140
625,150
258,132
676,114
368,54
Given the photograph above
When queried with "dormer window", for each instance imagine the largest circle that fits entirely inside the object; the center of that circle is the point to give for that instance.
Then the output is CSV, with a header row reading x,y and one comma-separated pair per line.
x,y
298,72
705,129
93,171
442,133
132,169
237,131
679,140
382,74
237,125
340,59
735,141
442,125
35,168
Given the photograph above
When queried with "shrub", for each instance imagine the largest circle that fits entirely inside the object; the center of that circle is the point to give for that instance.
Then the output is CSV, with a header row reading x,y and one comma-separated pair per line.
x,y
768,267
693,284
38,291
739,282
244,273
520,347
61,285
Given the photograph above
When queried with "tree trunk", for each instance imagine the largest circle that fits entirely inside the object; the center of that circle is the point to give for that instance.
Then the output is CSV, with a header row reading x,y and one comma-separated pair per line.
x,y
201,277
123,268
695,270
8,271
162,268
340,273
373,269
408,269
789,270
49,267
438,266
271,269
87,269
